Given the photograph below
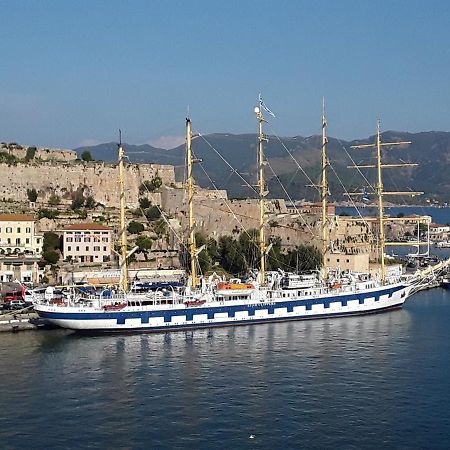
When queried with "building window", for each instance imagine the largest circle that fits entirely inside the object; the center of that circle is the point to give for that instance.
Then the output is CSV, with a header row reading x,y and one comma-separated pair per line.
x,y
8,229
104,249
96,248
8,241
69,239
87,239
38,241
18,229
28,230
69,248
104,239
17,241
77,248
87,248
27,240
348,260
337,260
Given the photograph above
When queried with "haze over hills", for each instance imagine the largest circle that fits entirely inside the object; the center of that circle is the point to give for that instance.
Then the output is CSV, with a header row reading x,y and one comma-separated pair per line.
x,y
431,150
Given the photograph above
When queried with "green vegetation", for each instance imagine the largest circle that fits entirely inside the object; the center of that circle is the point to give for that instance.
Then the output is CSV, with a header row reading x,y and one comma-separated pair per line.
x,y
239,256
135,227
144,203
31,152
7,158
47,213
50,247
86,156
54,200
144,242
51,256
79,200
152,213
32,195
150,185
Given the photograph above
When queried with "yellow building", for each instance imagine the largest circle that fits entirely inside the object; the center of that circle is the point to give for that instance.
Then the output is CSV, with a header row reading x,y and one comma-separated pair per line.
x,y
18,235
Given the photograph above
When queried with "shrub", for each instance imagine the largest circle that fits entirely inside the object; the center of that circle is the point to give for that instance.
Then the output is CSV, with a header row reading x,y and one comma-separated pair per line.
x,y
144,203
144,242
51,256
32,195
135,227
54,200
47,213
31,152
152,213
86,156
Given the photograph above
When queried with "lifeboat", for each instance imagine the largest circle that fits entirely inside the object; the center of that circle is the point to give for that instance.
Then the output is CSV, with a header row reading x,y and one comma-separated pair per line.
x,y
224,288
116,307
198,302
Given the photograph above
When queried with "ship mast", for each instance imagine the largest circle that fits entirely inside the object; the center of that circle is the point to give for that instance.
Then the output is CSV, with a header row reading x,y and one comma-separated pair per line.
x,y
324,193
123,234
190,196
379,188
261,193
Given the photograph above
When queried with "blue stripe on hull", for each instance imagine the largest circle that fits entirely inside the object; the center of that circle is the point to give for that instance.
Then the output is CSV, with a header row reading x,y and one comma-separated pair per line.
x,y
231,323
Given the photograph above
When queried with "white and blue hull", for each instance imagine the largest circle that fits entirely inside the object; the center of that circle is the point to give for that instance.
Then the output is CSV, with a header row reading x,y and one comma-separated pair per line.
x,y
225,313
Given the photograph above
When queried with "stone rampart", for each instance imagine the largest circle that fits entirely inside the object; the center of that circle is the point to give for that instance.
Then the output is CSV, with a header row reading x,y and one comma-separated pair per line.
x,y
98,179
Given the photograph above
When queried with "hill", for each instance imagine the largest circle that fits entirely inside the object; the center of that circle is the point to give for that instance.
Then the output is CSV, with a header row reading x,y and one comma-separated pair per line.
x,y
431,150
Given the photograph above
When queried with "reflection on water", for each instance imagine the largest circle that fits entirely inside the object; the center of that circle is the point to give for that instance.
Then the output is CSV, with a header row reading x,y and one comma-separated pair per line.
x,y
369,381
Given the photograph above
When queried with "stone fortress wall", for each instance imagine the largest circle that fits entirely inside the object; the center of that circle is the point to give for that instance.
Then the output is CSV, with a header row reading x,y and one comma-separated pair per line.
x,y
98,179
45,154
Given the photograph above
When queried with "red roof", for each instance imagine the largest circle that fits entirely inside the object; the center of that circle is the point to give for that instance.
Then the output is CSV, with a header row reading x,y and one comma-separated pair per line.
x,y
16,218
86,226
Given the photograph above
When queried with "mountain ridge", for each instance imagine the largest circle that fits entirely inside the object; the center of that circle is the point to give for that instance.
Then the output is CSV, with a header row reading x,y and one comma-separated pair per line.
x,y
430,149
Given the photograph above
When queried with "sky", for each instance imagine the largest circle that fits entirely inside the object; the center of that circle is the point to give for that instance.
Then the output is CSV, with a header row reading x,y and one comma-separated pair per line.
x,y
73,72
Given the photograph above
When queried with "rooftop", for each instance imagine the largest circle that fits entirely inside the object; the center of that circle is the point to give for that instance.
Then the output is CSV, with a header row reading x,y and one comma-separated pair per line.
x,y
16,218
86,226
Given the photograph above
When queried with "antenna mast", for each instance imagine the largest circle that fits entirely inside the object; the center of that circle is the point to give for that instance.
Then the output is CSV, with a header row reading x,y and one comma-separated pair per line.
x,y
190,196
123,234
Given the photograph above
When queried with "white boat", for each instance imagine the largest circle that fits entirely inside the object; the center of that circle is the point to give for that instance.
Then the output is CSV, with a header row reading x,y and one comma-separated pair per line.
x,y
209,303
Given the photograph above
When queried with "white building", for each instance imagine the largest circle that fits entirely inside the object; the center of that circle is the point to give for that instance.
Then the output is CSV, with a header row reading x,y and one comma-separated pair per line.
x,y
18,235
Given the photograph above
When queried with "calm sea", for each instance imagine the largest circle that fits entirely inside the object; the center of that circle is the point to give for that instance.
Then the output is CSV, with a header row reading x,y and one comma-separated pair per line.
x,y
439,215
370,382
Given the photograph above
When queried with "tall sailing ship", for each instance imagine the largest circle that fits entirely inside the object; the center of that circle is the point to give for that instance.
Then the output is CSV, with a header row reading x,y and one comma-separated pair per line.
x,y
215,302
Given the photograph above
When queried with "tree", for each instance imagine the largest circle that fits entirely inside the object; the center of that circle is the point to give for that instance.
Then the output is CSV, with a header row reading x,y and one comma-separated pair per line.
x,y
54,200
51,256
144,203
90,202
31,152
48,213
77,201
152,213
86,156
144,242
51,241
32,195
135,227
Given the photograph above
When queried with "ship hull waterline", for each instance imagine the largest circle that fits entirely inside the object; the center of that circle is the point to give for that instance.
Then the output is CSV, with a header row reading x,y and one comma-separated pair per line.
x,y
207,316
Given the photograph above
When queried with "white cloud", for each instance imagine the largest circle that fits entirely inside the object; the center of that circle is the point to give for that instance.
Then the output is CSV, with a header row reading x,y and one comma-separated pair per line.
x,y
167,142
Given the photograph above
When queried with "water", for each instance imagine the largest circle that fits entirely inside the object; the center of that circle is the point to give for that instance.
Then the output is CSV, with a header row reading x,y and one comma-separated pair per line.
x,y
371,382
439,215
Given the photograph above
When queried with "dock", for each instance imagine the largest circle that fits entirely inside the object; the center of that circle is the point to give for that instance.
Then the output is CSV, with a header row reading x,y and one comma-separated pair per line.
x,y
15,321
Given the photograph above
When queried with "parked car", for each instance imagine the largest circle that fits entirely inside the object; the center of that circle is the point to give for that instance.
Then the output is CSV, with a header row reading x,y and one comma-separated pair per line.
x,y
14,304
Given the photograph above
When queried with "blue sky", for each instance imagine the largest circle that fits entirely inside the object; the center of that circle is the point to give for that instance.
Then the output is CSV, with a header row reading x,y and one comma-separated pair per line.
x,y
73,72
